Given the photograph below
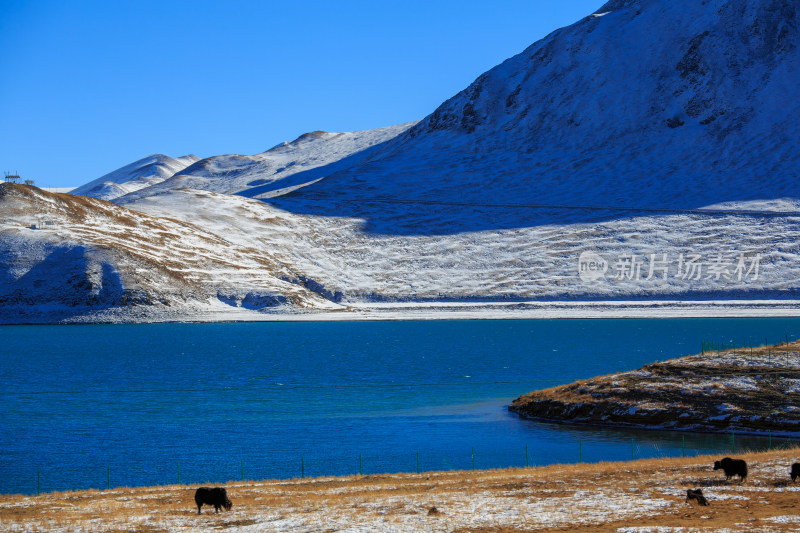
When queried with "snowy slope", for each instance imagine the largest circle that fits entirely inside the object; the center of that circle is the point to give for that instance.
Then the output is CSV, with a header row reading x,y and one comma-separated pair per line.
x,y
336,258
93,255
655,104
138,175
275,171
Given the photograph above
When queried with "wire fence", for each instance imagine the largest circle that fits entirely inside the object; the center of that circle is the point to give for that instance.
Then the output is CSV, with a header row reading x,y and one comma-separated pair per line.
x,y
109,476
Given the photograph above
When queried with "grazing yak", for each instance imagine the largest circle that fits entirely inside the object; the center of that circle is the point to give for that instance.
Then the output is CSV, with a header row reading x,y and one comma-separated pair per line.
x,y
795,473
732,467
696,494
218,497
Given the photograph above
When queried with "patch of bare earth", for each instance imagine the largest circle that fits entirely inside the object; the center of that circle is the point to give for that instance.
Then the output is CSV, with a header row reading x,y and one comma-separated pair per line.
x,y
646,495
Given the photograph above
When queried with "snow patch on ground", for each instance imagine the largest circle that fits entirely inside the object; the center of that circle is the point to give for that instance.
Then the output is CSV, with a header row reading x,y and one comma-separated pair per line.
x,y
785,519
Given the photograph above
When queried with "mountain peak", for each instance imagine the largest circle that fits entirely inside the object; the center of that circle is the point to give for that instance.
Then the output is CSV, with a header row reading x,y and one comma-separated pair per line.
x,y
142,173
670,105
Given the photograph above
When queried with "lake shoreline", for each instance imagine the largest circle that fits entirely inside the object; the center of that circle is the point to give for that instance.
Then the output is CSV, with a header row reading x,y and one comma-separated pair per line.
x,y
399,311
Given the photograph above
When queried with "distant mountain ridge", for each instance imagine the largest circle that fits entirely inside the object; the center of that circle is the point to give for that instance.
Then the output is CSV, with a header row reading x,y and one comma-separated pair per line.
x,y
273,172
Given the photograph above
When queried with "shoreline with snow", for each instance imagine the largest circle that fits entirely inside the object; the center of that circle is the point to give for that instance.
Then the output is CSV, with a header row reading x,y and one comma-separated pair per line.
x,y
422,311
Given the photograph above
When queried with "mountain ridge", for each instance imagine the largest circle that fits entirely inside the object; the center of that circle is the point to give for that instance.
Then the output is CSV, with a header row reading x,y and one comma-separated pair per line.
x,y
276,169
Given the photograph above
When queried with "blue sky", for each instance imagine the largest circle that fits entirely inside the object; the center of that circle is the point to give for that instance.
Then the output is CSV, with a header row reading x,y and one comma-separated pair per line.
x,y
90,86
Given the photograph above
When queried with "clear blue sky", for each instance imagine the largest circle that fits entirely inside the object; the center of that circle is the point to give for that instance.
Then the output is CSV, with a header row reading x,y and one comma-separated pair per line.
x,y
90,86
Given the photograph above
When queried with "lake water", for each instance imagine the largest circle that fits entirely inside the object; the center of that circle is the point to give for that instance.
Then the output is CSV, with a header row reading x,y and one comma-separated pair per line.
x,y
129,405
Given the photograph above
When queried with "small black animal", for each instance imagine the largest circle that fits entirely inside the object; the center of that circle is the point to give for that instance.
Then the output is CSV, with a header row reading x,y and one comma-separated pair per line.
x,y
732,467
696,494
795,471
218,497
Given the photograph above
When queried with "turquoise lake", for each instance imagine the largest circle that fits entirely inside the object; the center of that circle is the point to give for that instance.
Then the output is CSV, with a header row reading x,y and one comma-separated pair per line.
x,y
129,405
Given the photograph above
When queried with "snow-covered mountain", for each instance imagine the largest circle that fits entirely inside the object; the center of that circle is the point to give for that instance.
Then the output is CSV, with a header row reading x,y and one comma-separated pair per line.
x,y
647,152
138,175
644,104
275,171
188,254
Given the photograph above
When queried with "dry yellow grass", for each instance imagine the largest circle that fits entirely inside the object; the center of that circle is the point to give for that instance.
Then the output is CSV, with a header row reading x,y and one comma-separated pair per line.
x,y
585,497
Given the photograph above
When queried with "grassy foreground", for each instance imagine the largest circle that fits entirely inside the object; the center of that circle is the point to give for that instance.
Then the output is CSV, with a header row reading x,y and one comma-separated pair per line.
x,y
644,495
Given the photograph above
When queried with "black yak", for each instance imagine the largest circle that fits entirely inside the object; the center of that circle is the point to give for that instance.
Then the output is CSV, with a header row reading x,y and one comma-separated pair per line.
x,y
732,467
218,497
696,494
795,473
